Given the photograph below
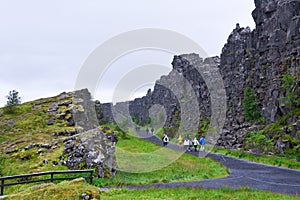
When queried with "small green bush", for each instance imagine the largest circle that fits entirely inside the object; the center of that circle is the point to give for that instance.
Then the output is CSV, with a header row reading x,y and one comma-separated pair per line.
x,y
291,87
251,110
258,141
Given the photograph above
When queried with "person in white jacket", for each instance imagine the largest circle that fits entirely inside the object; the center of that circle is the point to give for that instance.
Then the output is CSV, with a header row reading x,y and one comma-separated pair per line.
x,y
195,143
165,140
186,144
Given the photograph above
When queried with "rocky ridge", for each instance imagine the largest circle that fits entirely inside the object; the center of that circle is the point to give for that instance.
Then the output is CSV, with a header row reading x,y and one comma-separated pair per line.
x,y
56,131
256,59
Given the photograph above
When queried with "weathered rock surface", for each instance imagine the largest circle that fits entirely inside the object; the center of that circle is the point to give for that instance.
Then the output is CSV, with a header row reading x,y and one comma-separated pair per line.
x,y
92,149
258,59
76,108
85,146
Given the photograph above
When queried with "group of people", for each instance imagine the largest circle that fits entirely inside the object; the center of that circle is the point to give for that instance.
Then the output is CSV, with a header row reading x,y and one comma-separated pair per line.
x,y
148,131
187,143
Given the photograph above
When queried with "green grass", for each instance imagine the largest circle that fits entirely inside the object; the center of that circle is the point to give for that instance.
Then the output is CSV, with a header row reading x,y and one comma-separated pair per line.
x,y
28,124
193,193
14,165
287,162
75,189
184,167
62,191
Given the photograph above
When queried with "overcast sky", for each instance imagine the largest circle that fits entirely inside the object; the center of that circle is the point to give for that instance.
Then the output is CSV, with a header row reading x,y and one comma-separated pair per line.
x,y
43,44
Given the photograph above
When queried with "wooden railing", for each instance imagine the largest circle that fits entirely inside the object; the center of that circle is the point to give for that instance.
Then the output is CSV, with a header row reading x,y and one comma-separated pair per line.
x,y
25,178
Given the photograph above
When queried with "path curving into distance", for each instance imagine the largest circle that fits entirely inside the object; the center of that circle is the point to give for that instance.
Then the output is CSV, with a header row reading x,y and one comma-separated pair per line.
x,y
243,174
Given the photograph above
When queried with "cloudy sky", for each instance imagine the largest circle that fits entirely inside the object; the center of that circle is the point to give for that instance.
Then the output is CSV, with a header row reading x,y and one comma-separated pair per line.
x,y
43,44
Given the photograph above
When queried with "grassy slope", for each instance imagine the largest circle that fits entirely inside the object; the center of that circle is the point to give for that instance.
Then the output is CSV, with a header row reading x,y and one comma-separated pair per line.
x,y
193,193
62,191
186,168
29,125
75,189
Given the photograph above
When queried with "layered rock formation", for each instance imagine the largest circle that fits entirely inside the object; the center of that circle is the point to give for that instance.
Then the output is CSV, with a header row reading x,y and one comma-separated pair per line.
x,y
255,59
258,59
87,147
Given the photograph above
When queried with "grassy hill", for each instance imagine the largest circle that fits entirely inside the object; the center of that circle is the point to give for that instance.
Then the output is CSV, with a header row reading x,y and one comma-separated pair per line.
x,y
31,140
31,134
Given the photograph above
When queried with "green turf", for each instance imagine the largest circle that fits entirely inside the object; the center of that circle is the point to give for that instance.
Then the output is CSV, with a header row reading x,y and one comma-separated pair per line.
x,y
183,168
194,193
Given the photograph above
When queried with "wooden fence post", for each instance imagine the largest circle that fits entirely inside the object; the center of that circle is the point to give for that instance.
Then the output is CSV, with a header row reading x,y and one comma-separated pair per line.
x,y
2,187
91,177
51,177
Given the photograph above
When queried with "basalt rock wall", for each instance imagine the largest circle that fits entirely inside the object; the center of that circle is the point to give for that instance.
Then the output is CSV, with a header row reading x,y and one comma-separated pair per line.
x,y
256,59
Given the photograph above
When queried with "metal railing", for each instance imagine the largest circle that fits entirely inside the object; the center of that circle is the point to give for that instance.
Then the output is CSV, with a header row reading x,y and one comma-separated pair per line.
x,y
25,177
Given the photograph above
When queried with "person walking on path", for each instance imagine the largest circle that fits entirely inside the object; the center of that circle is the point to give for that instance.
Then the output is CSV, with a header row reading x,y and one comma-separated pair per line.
x,y
202,143
147,130
165,140
180,141
190,145
186,144
152,131
195,143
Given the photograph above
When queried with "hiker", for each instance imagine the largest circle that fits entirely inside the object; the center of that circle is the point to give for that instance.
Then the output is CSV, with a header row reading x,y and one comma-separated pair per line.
x,y
152,131
147,130
195,143
190,145
180,141
202,143
186,144
165,140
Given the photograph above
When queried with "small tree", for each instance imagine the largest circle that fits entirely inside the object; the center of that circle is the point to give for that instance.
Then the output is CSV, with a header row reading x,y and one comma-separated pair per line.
x,y
250,105
13,99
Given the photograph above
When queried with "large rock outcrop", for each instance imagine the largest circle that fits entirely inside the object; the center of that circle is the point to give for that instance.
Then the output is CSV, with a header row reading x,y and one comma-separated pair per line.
x,y
85,147
92,149
258,59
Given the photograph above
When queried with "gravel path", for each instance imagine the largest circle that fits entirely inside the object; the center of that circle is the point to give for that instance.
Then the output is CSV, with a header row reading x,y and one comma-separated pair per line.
x,y
243,173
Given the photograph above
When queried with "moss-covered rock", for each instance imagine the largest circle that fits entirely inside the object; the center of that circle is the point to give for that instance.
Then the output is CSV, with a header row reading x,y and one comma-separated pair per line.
x,y
92,149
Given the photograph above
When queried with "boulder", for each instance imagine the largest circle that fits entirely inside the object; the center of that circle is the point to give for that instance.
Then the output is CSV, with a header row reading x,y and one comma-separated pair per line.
x,y
92,149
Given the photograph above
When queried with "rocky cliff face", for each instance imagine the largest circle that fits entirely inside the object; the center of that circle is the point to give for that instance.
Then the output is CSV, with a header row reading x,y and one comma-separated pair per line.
x,y
84,146
259,58
256,59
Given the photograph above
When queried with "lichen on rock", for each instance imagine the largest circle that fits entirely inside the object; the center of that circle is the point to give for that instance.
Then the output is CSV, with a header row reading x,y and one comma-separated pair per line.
x,y
92,149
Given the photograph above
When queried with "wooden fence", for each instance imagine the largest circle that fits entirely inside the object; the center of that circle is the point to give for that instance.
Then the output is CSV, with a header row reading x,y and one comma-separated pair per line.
x,y
25,178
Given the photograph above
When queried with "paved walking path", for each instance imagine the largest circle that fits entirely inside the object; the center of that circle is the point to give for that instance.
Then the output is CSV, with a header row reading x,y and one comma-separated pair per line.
x,y
243,174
